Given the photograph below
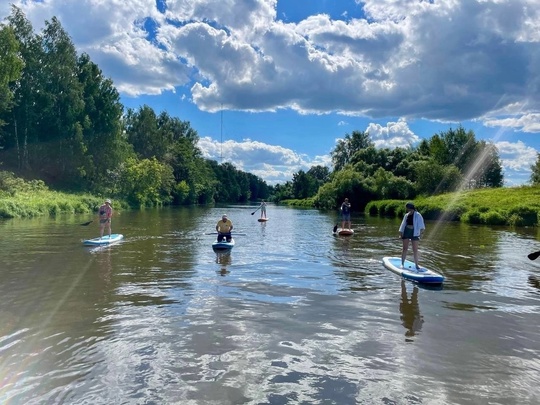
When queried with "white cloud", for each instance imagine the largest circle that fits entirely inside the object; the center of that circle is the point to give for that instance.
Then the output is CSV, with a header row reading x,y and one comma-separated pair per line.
x,y
527,122
444,61
517,159
393,135
272,163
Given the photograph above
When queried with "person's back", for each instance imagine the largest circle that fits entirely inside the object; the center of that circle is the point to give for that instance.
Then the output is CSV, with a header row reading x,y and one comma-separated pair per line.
x,y
346,214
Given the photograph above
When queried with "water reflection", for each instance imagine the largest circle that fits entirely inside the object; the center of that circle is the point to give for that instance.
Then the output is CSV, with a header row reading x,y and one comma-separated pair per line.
x,y
104,263
224,259
409,308
534,281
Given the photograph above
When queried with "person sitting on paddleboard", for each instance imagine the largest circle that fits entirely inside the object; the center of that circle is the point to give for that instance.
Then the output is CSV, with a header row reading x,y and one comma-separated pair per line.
x,y
411,229
345,214
263,209
105,215
224,228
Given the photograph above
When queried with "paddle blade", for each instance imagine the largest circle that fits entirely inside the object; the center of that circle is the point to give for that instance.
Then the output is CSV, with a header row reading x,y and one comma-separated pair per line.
x,y
253,213
87,223
335,228
534,256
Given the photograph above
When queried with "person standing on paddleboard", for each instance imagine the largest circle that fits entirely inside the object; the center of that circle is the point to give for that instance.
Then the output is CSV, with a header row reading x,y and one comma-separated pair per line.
x,y
224,228
105,215
345,214
263,209
411,229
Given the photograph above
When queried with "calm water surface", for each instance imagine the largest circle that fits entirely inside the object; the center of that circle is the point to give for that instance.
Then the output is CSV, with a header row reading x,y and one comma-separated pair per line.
x,y
293,315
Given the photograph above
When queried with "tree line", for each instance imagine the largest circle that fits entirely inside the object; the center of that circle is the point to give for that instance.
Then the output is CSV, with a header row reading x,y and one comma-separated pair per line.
x,y
62,121
448,161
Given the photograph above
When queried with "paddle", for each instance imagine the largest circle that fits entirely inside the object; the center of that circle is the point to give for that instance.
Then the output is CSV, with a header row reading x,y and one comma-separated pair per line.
x,y
533,256
255,210
87,223
335,228
234,234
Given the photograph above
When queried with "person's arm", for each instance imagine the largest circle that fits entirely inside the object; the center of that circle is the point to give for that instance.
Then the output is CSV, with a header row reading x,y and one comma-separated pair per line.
x,y
421,223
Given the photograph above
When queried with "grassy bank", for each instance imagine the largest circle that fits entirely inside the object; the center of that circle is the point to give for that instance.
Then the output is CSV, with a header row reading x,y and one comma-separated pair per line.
x,y
45,202
519,206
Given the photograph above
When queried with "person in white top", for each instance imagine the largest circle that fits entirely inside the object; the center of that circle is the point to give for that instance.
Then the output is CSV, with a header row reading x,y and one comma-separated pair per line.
x,y
411,229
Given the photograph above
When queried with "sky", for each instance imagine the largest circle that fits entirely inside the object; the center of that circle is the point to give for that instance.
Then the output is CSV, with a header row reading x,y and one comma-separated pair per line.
x,y
271,85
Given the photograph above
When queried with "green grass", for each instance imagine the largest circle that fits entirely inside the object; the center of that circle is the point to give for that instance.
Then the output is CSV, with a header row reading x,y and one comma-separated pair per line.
x,y
22,204
519,206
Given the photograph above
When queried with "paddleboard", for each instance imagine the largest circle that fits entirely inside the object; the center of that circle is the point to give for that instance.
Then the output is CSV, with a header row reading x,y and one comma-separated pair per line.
x,y
105,240
223,245
345,232
409,272
263,219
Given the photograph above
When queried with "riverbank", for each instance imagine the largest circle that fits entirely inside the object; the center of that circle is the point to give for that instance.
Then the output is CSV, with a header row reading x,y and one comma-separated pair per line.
x,y
516,206
27,204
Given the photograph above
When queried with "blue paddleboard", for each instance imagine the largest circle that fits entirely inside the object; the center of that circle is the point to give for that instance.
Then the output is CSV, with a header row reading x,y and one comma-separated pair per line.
x,y
409,272
105,240
223,245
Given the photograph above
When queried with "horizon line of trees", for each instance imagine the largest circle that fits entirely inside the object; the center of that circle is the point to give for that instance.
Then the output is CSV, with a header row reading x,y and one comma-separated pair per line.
x,y
449,161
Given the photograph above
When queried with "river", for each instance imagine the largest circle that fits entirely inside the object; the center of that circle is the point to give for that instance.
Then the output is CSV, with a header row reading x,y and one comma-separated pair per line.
x,y
293,315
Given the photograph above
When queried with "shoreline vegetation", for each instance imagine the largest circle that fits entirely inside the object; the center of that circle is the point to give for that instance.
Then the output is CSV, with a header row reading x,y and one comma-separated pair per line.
x,y
516,206
27,199
46,202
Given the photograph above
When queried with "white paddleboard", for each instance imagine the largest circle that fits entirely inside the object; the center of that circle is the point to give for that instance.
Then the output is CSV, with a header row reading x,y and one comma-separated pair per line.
x,y
105,240
409,271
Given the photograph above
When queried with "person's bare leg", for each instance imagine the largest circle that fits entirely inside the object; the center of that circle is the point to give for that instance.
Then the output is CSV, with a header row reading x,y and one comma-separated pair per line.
x,y
415,253
404,251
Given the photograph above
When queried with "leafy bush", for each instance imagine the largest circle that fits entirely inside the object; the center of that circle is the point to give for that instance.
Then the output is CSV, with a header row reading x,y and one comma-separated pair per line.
x,y
493,217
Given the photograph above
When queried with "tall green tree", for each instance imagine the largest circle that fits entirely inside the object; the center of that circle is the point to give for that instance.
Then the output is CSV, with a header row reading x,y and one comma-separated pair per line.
x,y
486,167
22,129
535,171
435,178
348,146
11,65
304,185
101,120
143,133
